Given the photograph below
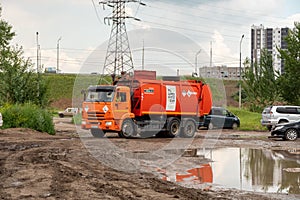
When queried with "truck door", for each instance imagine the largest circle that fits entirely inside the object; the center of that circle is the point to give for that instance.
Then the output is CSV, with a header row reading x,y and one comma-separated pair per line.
x,y
121,104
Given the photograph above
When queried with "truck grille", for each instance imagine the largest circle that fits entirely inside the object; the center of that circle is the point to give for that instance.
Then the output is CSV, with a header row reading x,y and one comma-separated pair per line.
x,y
95,115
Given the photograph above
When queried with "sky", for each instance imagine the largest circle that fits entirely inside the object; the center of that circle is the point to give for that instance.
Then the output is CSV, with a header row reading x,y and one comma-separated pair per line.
x,y
172,31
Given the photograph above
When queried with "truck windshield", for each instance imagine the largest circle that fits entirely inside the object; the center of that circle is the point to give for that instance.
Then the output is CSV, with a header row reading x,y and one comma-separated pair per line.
x,y
100,96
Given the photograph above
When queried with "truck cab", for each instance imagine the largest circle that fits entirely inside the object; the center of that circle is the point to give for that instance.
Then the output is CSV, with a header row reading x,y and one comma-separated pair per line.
x,y
105,108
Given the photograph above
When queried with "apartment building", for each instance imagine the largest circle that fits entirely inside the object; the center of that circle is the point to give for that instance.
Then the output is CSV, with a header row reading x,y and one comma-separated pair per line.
x,y
270,39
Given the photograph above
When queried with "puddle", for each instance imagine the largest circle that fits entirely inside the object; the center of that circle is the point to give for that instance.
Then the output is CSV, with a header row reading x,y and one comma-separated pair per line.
x,y
241,168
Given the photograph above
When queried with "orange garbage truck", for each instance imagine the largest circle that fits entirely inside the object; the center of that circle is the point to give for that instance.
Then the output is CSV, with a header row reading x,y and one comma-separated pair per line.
x,y
146,107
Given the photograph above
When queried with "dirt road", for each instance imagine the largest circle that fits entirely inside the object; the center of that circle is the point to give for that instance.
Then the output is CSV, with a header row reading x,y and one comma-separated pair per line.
x,y
69,165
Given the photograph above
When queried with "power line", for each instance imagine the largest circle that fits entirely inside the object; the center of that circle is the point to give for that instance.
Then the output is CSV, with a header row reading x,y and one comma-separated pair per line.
x,y
96,11
238,13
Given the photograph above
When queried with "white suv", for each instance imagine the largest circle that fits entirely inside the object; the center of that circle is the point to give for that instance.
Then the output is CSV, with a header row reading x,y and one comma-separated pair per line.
x,y
279,114
1,121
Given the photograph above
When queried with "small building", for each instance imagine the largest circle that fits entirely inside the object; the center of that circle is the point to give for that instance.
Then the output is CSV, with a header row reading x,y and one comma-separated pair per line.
x,y
222,72
51,70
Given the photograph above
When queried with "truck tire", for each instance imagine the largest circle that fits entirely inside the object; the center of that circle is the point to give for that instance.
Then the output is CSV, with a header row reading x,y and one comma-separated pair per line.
x,y
173,127
61,115
128,129
189,129
97,133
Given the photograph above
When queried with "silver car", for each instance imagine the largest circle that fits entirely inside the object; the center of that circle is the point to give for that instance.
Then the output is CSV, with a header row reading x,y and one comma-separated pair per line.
x,y
273,115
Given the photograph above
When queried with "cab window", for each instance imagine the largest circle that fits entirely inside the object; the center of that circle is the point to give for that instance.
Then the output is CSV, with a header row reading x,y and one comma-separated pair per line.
x,y
121,97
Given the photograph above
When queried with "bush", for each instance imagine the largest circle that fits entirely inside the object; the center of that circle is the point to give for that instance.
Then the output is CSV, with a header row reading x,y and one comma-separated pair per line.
x,y
27,116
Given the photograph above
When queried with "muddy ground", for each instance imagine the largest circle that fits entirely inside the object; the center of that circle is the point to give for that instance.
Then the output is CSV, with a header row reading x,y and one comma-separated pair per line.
x,y
35,165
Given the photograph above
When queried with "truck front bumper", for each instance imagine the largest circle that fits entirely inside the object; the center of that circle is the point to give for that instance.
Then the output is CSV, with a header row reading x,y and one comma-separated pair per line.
x,y
105,125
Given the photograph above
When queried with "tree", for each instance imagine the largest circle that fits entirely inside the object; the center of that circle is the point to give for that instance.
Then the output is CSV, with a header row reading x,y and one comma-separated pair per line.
x,y
18,82
290,81
260,83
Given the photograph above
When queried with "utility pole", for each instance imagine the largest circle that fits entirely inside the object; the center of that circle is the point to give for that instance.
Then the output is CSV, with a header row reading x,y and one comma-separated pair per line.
x,y
57,65
210,63
143,56
240,78
196,63
118,60
38,54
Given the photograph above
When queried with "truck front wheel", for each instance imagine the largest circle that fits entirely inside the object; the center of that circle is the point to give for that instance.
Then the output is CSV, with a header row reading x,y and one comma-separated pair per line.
x,y
128,129
189,129
173,127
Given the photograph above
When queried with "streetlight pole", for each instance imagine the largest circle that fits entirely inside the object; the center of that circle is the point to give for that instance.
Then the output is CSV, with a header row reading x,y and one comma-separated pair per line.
x,y
38,63
196,62
57,65
240,80
37,53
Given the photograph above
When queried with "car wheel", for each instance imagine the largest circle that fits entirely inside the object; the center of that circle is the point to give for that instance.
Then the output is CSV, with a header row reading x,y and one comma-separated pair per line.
x,y
234,125
61,115
291,134
210,126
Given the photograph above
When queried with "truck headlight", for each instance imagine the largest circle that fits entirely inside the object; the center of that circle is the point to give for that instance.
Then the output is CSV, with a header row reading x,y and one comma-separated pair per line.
x,y
108,123
83,122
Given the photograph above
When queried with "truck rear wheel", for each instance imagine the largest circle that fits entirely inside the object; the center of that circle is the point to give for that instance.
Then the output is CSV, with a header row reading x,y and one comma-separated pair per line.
x,y
128,129
97,133
189,129
173,127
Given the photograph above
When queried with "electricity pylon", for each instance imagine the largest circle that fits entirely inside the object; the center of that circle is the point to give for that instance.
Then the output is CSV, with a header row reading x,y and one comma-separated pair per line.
x,y
118,60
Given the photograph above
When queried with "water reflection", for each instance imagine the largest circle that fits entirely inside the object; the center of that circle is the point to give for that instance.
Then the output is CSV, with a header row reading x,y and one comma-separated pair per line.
x,y
201,174
247,169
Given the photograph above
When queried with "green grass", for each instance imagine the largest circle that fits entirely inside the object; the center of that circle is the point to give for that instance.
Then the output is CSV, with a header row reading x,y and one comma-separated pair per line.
x,y
70,86
250,121
60,85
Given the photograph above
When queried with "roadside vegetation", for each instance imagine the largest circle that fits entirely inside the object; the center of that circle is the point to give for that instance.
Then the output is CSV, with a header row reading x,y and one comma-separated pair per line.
x,y
250,121
23,93
27,116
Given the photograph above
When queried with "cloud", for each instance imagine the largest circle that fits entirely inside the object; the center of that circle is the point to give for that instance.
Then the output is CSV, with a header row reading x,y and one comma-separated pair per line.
x,y
222,22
